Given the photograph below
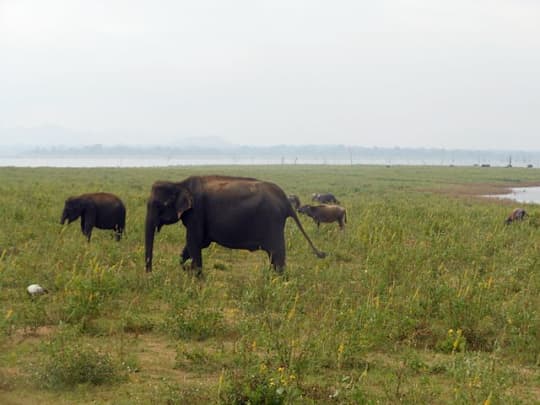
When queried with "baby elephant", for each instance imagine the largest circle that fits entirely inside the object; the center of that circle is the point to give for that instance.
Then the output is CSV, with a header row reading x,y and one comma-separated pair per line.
x,y
326,198
102,210
325,213
517,215
294,200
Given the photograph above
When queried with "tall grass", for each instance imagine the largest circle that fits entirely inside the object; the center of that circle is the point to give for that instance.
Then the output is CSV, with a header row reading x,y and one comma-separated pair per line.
x,y
425,297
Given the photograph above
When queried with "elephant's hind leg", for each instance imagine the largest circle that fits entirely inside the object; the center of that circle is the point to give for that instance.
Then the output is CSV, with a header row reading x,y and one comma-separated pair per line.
x,y
118,230
276,253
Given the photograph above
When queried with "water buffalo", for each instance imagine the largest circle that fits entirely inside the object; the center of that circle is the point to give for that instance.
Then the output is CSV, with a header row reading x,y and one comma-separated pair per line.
x,y
325,213
325,198
294,200
516,215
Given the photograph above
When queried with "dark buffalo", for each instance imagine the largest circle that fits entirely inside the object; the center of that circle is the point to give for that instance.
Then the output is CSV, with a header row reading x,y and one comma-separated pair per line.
x,y
294,200
325,198
516,215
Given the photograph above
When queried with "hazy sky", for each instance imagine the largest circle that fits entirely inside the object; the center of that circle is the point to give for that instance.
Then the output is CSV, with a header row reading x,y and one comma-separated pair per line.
x,y
421,73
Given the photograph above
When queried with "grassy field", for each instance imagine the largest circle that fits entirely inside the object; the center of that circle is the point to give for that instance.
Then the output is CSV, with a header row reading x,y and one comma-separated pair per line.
x,y
426,297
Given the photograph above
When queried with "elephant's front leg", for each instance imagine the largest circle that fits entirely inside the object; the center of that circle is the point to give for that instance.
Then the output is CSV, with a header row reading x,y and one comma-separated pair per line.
x,y
184,256
196,260
194,245
87,223
86,228
88,233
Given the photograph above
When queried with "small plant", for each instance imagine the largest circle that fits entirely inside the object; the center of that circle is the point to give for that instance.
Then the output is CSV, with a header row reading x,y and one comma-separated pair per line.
x,y
260,385
68,363
454,342
195,323
33,314
195,358
137,323
218,265
87,293
7,323
192,318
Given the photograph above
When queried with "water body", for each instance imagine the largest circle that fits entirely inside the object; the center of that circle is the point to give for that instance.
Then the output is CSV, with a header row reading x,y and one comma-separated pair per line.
x,y
529,195
157,161
203,160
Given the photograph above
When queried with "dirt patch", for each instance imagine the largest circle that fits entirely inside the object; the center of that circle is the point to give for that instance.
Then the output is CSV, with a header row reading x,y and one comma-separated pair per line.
x,y
157,358
33,335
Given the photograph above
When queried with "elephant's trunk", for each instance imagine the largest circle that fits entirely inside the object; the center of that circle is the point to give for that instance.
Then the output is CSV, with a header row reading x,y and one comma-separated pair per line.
x,y
150,230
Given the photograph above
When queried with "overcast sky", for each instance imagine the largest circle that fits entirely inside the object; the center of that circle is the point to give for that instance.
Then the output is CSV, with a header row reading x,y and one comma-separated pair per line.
x,y
418,73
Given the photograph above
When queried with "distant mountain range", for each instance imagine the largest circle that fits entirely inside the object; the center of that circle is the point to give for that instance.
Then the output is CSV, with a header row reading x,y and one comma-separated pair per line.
x,y
24,143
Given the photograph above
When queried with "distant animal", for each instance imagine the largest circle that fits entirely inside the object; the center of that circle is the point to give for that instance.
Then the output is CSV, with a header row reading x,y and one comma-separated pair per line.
x,y
325,213
235,212
294,200
100,210
36,289
325,198
516,215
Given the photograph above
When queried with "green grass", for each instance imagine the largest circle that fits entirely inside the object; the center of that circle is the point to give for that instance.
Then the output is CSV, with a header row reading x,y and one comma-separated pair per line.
x,y
426,297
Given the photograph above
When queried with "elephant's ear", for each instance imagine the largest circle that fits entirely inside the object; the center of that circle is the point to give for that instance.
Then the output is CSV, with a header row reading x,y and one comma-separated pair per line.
x,y
77,205
184,202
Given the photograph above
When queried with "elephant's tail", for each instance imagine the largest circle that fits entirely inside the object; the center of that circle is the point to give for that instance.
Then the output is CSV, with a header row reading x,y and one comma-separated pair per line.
x,y
319,253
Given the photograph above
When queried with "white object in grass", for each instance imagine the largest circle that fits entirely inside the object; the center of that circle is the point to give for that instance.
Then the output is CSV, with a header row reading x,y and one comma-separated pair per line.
x,y
36,289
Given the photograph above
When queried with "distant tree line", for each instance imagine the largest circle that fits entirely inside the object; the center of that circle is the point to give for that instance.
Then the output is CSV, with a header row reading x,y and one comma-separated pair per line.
x,y
290,154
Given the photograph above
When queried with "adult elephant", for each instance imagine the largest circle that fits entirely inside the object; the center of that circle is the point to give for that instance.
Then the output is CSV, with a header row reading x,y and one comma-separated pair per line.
x,y
235,212
100,210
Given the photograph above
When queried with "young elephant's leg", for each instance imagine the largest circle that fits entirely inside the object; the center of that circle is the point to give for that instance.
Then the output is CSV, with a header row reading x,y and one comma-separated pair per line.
x,y
88,233
87,223
86,228
117,232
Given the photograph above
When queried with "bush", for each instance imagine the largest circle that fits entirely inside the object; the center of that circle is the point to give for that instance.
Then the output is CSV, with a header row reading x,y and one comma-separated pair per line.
x,y
260,385
69,364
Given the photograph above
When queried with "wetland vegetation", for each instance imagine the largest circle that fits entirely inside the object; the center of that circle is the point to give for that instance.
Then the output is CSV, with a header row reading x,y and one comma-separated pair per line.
x,y
425,297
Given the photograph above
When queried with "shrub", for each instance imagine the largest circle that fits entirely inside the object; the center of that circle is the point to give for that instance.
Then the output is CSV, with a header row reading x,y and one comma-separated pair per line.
x,y
260,385
67,364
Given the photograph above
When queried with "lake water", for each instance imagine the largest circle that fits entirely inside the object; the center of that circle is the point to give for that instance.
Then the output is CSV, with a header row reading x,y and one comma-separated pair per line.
x,y
156,161
203,160
522,194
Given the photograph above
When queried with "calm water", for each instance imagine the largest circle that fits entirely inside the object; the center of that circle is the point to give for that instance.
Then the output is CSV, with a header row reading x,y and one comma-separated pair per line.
x,y
522,194
163,161
136,161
